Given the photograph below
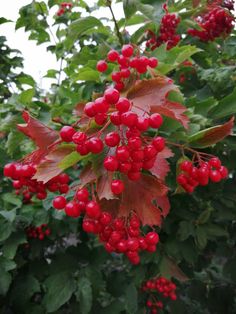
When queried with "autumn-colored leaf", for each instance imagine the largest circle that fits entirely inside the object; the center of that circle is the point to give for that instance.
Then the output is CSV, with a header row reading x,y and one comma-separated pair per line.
x,y
142,197
104,186
161,166
50,168
41,135
211,136
87,175
169,268
151,96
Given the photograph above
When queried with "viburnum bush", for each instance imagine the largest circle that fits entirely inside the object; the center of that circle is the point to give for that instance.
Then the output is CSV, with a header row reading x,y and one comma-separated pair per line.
x,y
118,186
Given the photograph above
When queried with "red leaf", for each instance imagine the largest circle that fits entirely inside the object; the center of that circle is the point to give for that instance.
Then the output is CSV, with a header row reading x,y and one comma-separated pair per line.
x,y
104,186
87,175
169,268
211,136
161,166
142,197
41,135
50,168
151,96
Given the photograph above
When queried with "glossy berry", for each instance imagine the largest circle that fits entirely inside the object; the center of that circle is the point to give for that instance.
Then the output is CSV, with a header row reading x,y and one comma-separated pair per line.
x,y
127,50
115,118
155,120
101,66
129,118
117,187
94,145
153,62
112,55
90,109
112,139
112,95
101,105
72,210
93,209
66,133
152,238
82,194
159,143
123,105
9,170
122,153
79,137
59,202
111,163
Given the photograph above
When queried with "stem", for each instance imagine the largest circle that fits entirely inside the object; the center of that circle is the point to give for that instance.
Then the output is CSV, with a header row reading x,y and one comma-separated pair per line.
x,y
116,25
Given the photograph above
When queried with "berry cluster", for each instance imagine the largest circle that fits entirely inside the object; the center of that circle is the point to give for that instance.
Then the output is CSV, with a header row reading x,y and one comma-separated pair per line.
x,y
216,23
22,174
129,62
191,176
167,34
64,6
158,288
38,232
128,152
118,235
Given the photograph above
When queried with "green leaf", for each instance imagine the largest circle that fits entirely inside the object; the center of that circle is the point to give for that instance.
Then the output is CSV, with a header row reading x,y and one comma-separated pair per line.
x,y
130,7
26,96
86,74
12,199
211,136
9,215
5,281
70,160
13,141
59,289
204,216
11,244
131,300
201,237
3,20
26,79
84,295
5,229
51,73
216,231
225,107
185,230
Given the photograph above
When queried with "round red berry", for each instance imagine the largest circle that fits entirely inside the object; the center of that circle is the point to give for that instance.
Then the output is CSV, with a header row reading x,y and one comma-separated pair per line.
x,y
59,202
111,163
123,105
155,120
101,66
66,133
117,187
127,50
112,139
112,95
112,55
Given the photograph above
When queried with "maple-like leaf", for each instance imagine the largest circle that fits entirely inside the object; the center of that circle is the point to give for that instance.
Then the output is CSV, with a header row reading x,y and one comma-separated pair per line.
x,y
41,135
87,175
104,186
169,268
161,166
151,96
142,197
211,136
50,168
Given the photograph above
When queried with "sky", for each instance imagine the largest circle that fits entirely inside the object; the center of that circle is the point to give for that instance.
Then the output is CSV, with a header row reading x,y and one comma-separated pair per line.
x,y
36,58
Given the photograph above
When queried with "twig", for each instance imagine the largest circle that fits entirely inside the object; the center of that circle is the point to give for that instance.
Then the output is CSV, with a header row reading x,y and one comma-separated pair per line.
x,y
116,25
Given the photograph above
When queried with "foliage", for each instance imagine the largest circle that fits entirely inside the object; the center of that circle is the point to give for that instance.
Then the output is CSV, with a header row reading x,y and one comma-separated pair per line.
x,y
69,271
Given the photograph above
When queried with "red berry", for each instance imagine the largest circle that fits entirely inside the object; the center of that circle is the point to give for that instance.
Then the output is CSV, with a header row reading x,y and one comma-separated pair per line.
x,y
82,149
117,187
122,153
9,170
133,244
224,172
111,163
116,76
159,143
153,62
66,133
149,152
134,143
94,145
88,226
215,162
122,246
115,118
155,120
59,202
215,176
72,209
134,176
142,124
90,109
119,86
105,218
123,105
93,209
123,61
129,118
112,55
111,95
125,73
101,105
186,166
152,238
101,66
100,118
124,167
82,194
112,139
137,155
79,137
127,50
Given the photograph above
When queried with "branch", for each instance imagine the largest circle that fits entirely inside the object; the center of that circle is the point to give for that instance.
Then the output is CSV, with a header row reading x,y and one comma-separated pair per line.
x,y
116,25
